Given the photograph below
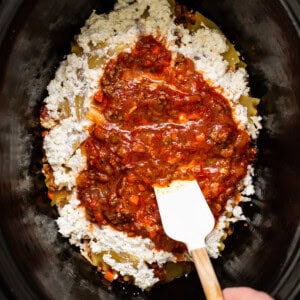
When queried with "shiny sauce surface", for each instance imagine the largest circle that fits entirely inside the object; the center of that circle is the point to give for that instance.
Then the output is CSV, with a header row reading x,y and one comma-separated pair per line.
x,y
162,122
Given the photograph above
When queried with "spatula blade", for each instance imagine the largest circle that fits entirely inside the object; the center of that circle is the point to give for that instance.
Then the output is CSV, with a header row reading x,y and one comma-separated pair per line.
x,y
184,212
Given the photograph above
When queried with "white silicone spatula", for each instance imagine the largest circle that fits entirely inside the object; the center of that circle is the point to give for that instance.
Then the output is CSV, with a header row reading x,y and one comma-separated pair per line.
x,y
187,218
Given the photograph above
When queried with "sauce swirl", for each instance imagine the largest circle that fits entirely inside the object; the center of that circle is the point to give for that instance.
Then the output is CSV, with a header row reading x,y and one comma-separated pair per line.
x,y
163,122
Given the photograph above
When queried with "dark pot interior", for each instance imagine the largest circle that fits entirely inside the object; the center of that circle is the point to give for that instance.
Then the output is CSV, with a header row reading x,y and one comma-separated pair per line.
x,y
37,263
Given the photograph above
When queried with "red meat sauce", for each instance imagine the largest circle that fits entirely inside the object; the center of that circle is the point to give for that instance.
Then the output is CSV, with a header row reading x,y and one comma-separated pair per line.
x,y
163,122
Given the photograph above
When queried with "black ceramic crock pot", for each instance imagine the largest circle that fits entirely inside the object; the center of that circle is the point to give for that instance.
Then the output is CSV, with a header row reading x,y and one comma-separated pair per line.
x,y
37,263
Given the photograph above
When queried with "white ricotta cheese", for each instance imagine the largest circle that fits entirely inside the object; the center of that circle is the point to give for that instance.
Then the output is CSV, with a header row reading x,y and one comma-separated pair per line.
x,y
62,152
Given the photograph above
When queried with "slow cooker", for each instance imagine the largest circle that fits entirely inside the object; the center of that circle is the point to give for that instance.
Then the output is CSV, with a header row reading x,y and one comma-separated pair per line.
x,y
37,263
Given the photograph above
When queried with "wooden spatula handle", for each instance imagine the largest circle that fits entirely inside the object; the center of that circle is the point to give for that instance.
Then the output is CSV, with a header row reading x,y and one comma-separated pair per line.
x,y
207,274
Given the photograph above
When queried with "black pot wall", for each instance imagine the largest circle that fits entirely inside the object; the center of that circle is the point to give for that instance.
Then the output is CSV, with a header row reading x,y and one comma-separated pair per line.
x,y
36,263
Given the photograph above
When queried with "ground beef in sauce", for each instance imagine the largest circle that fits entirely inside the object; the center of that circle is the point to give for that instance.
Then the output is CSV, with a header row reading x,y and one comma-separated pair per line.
x,y
163,122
